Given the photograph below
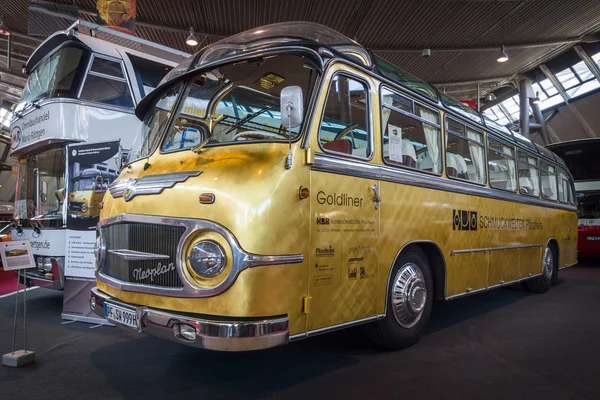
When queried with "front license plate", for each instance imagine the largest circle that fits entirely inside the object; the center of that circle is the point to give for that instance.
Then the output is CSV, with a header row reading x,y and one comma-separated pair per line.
x,y
121,315
593,238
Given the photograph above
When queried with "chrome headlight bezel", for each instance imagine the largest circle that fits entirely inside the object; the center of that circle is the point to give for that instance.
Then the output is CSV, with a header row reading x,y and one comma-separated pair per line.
x,y
202,254
99,249
84,207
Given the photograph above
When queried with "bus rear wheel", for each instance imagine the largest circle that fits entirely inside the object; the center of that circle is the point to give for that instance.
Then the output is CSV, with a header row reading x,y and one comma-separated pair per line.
x,y
409,301
542,283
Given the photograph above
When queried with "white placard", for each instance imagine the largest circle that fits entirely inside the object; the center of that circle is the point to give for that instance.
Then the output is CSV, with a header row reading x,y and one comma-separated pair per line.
x,y
48,242
16,255
395,148
80,259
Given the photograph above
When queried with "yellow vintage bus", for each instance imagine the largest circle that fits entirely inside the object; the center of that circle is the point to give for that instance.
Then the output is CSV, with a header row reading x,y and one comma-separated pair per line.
x,y
324,188
89,186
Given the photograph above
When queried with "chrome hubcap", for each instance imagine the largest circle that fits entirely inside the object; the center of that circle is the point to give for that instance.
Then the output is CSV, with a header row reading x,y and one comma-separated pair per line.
x,y
409,295
548,263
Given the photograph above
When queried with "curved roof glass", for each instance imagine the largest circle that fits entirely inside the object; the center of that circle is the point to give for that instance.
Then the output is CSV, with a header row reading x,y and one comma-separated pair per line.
x,y
272,35
405,79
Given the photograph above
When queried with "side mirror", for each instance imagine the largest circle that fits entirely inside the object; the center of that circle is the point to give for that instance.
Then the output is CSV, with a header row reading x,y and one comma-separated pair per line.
x,y
291,106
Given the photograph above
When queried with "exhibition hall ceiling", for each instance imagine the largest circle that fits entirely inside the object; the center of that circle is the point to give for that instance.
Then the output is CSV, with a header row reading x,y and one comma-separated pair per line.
x,y
465,37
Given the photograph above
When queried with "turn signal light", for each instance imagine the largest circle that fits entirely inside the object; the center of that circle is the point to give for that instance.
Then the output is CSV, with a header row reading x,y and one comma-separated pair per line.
x,y
206,198
303,192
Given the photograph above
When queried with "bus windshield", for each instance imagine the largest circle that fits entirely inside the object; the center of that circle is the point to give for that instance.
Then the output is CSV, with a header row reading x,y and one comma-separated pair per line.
x,y
41,186
83,184
56,76
588,205
235,103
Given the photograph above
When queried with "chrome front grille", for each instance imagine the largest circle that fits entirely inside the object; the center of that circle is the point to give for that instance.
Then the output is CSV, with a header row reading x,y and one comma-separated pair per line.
x,y
145,238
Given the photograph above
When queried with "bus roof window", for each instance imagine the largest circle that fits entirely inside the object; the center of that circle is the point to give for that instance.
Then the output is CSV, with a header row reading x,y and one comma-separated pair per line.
x,y
106,87
496,127
523,141
405,79
460,108
107,67
148,73
545,152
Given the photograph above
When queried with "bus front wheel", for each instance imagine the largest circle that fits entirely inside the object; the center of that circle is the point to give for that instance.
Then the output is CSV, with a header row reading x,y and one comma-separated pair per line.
x,y
409,301
542,283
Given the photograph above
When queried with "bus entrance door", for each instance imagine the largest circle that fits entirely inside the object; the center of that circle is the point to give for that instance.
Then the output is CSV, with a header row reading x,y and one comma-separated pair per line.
x,y
343,264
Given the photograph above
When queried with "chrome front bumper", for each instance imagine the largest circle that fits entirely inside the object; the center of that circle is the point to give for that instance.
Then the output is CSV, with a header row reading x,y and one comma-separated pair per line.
x,y
210,334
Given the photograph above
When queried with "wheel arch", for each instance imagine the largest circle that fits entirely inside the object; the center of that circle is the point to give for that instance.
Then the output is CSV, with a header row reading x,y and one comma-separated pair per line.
x,y
436,261
552,242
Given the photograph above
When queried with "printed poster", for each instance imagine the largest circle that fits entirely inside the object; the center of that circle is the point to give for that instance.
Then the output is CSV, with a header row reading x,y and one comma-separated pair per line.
x,y
395,147
92,167
118,15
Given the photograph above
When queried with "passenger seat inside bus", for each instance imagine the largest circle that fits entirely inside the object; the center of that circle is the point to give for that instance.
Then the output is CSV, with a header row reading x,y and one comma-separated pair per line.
x,y
525,185
456,166
339,146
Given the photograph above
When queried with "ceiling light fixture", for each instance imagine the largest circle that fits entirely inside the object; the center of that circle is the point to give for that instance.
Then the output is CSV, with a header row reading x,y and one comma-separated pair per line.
x,y
3,28
503,57
191,39
536,100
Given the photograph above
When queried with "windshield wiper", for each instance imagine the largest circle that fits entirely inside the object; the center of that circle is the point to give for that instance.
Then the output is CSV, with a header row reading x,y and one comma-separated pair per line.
x,y
247,118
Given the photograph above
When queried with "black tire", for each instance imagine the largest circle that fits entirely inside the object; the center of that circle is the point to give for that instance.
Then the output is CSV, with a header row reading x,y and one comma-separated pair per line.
x,y
388,332
542,283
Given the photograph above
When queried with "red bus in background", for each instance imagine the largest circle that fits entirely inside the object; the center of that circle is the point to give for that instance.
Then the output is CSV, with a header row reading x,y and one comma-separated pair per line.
x,y
582,158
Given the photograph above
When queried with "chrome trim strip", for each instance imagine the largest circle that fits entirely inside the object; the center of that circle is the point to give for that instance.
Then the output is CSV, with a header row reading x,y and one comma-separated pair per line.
x,y
126,254
339,165
569,265
467,293
492,287
149,184
490,249
327,329
241,259
210,334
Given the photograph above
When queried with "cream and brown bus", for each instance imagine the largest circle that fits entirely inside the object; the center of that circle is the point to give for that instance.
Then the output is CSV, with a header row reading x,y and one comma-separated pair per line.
x,y
318,187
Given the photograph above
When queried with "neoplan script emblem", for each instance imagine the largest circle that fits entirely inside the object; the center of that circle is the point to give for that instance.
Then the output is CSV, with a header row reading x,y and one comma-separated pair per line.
x,y
463,220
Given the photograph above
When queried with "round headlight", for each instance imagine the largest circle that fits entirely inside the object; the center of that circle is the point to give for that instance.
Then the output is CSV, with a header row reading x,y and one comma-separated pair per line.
x,y
84,207
207,259
47,264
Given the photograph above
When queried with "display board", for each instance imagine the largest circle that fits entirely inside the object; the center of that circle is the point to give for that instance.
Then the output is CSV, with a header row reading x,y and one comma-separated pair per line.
x,y
16,255
92,167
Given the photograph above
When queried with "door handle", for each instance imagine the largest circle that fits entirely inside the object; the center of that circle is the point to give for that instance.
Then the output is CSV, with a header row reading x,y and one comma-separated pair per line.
x,y
377,197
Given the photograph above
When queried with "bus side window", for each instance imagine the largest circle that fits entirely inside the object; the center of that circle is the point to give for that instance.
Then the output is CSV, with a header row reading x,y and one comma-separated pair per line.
x,y
148,73
345,124
465,155
549,186
191,127
501,165
410,141
565,195
105,83
529,175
